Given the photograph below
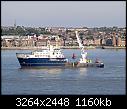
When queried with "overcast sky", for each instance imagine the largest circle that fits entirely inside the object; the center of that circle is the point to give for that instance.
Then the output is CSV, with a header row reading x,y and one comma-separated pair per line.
x,y
64,13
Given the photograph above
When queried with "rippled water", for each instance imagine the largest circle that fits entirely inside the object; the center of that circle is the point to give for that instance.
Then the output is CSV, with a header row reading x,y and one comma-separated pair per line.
x,y
109,80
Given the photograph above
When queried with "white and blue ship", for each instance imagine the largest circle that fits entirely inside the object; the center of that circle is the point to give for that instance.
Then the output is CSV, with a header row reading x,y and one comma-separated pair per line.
x,y
48,56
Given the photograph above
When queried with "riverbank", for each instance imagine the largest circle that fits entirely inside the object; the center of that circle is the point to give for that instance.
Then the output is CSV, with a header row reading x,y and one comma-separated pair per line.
x,y
63,47
35,48
111,47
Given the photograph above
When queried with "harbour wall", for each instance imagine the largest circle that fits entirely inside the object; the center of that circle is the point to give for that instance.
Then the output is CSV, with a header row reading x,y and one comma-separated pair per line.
x,y
62,47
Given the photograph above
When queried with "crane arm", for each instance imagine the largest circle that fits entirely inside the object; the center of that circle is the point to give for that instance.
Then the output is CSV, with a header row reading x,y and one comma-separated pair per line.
x,y
79,42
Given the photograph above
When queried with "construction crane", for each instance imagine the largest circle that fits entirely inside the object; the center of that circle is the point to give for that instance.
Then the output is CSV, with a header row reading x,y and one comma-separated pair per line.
x,y
83,53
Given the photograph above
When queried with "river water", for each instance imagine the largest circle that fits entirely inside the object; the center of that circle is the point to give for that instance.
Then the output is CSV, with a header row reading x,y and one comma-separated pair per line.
x,y
109,80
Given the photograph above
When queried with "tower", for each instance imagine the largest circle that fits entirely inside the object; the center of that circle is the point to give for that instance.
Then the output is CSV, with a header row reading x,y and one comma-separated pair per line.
x,y
15,24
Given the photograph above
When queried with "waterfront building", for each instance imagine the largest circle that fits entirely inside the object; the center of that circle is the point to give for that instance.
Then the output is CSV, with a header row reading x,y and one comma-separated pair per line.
x,y
10,37
119,42
88,42
123,42
109,42
41,42
102,41
97,42
114,41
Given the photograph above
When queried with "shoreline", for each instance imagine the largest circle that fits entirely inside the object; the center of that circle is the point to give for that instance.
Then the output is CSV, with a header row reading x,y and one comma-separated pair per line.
x,y
111,47
63,47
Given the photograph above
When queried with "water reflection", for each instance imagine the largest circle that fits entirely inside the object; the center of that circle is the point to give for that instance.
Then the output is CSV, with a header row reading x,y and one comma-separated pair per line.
x,y
54,71
83,71
43,72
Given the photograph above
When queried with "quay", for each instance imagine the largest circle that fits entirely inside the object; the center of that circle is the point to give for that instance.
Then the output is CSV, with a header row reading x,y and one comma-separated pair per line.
x,y
35,48
62,47
111,47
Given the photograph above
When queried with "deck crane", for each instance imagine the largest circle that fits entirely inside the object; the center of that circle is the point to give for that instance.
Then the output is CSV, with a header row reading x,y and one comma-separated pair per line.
x,y
83,53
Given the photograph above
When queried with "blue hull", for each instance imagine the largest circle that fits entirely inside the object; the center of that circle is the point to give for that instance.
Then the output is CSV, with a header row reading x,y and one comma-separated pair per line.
x,y
40,62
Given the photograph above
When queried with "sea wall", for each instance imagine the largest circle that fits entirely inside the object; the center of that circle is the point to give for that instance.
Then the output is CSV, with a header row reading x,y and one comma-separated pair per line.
x,y
62,47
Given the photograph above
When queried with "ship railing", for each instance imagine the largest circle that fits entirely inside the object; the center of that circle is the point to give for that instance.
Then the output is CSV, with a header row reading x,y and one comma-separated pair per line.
x,y
23,55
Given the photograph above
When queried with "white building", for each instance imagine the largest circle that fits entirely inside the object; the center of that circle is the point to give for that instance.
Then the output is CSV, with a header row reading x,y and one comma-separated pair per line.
x,y
9,37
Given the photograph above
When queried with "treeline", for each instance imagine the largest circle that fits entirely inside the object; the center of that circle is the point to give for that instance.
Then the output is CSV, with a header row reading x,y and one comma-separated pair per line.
x,y
22,31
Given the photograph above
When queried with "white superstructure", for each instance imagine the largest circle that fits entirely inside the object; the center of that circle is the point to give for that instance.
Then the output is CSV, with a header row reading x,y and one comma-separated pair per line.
x,y
49,52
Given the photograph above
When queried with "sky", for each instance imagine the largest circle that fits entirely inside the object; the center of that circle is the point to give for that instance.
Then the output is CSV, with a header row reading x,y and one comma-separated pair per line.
x,y
64,13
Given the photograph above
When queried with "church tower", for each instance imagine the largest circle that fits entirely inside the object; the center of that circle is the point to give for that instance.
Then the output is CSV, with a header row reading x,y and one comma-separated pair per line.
x,y
15,24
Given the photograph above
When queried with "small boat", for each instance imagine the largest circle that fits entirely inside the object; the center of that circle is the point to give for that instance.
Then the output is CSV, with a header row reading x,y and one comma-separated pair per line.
x,y
103,47
101,65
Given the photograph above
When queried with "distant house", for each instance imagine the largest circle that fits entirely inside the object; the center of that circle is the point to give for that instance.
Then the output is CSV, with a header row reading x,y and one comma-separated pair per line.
x,y
78,29
88,42
123,43
41,42
97,42
9,37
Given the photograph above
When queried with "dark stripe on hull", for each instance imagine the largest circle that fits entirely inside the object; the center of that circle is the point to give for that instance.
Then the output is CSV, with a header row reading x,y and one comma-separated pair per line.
x,y
40,62
41,65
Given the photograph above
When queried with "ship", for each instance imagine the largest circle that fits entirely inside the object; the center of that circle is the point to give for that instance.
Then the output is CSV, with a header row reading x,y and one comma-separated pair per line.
x,y
52,56
47,56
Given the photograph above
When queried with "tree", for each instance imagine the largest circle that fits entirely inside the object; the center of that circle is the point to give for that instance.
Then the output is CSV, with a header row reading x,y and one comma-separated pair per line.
x,y
20,31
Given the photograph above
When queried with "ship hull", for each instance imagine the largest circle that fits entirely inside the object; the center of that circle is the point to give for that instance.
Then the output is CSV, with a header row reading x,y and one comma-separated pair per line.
x,y
41,62
53,62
